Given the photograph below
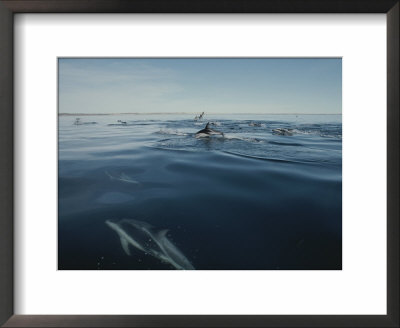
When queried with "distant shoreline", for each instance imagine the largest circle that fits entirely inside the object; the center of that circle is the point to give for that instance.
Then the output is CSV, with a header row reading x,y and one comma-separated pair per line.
x,y
180,113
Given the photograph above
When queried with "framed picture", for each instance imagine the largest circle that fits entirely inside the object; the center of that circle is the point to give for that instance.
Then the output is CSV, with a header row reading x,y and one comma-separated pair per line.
x,y
164,166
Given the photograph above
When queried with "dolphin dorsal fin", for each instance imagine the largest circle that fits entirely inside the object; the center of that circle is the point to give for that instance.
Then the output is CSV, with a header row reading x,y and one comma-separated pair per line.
x,y
207,125
125,245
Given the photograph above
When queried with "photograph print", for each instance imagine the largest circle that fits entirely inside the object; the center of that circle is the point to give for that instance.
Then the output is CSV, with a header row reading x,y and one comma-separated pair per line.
x,y
199,163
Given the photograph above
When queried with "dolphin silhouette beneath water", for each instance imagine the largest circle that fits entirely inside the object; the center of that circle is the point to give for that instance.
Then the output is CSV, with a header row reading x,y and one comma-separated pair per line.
x,y
145,238
121,177
207,131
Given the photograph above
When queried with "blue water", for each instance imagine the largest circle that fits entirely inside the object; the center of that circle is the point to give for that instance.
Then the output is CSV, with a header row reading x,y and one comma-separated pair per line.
x,y
249,200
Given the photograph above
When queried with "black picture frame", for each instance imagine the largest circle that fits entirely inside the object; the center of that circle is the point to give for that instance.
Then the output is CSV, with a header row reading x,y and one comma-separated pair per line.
x,y
10,7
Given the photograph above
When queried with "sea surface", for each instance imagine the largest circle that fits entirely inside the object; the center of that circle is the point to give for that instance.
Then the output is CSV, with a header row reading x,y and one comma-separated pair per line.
x,y
252,199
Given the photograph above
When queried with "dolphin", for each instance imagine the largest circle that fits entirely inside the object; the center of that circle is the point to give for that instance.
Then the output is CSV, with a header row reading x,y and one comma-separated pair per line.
x,y
207,131
174,255
145,238
137,238
79,122
256,124
125,237
283,132
122,177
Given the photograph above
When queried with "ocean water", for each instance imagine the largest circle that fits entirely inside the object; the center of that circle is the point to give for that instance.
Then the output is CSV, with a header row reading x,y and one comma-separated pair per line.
x,y
252,199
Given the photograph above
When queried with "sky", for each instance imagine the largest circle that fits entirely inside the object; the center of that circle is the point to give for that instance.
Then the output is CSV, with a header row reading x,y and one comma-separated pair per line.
x,y
194,85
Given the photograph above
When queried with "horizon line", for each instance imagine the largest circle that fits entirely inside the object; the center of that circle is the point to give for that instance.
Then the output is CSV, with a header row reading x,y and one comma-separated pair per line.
x,y
186,113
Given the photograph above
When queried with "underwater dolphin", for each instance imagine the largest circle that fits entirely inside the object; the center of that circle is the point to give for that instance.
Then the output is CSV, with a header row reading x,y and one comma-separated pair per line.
x,y
207,131
121,177
174,255
145,238
137,238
